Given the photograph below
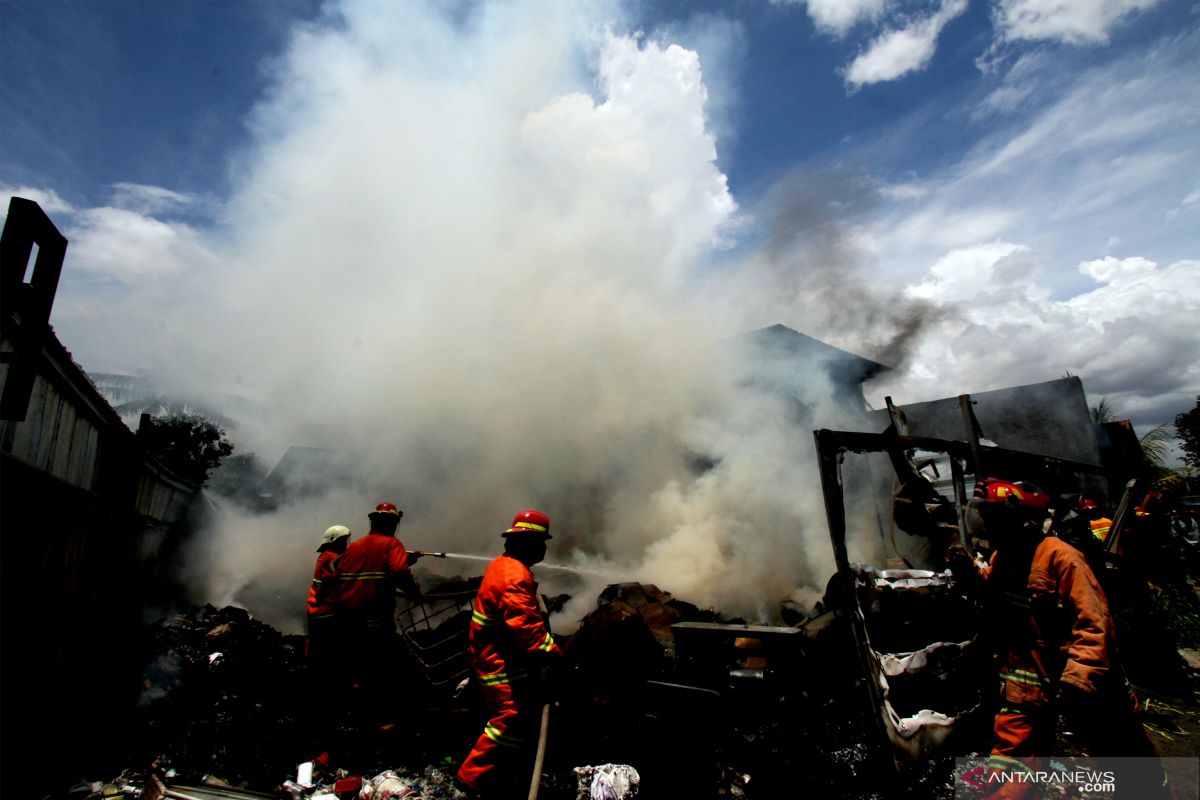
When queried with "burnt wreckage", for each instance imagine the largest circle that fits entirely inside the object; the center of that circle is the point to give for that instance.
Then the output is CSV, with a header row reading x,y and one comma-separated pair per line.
x,y
886,681
871,693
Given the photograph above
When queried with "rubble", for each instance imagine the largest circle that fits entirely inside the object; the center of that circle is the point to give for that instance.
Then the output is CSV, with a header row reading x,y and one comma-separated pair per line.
x,y
689,702
223,694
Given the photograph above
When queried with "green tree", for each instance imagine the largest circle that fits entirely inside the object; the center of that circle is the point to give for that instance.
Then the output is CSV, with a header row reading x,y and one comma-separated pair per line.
x,y
188,444
1187,428
1102,412
1156,444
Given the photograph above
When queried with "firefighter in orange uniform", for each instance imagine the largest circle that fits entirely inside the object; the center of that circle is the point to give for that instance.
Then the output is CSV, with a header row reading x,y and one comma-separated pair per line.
x,y
370,572
1054,640
322,595
509,647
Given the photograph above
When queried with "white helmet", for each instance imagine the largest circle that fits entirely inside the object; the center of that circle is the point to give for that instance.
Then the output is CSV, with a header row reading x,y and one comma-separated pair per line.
x,y
334,533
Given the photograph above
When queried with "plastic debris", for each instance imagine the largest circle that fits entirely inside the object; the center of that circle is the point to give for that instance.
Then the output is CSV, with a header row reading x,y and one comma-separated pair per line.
x,y
607,782
351,784
386,785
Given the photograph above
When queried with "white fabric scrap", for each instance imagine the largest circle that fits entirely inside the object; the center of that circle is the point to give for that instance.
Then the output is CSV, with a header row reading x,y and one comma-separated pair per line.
x,y
607,782
386,785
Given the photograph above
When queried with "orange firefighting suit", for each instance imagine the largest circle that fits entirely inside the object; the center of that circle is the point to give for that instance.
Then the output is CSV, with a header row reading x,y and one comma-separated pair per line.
x,y
508,641
369,573
1054,639
322,601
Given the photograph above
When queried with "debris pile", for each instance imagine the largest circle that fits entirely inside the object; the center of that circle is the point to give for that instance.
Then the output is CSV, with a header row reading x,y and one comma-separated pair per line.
x,y
224,695
667,698
394,784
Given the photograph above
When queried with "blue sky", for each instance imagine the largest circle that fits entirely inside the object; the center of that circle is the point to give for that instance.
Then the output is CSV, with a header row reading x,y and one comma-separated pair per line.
x,y
1011,176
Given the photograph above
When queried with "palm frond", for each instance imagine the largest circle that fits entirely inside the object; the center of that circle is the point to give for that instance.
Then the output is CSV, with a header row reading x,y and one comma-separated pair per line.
x,y
1156,444
1103,412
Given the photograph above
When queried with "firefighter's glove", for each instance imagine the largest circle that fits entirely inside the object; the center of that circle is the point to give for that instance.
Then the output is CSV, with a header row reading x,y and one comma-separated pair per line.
x,y
413,557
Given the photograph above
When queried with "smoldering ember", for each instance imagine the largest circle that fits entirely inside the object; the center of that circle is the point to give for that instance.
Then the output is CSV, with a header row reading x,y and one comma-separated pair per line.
x,y
809,611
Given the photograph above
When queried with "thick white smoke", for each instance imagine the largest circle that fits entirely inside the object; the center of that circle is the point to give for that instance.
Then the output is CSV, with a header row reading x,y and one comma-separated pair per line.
x,y
469,252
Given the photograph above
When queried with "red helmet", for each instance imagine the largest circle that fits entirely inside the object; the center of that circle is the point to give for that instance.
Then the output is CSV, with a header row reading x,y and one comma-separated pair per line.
x,y
530,521
1013,494
386,509
1087,505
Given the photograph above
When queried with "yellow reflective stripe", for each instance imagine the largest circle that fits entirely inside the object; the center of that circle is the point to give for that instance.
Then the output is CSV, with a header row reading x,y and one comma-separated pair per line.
x,y
363,576
480,619
531,526
547,643
498,678
1022,676
323,616
501,738
495,679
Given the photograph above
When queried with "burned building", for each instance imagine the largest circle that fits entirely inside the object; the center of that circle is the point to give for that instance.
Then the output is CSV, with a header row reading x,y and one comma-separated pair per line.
x,y
87,518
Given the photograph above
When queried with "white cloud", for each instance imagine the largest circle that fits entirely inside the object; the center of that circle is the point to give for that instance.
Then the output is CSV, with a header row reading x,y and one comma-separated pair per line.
x,y
1093,157
1115,271
897,52
125,246
963,275
1131,338
942,226
1019,84
148,199
48,199
651,127
903,191
837,17
1188,205
1070,21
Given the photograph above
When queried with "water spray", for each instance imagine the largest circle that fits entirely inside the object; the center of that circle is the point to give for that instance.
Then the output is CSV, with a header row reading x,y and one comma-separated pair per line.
x,y
540,565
